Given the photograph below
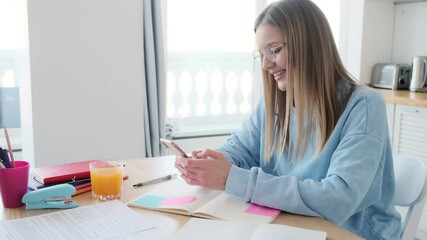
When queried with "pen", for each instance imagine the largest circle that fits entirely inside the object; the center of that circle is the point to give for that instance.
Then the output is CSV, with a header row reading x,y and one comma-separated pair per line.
x,y
156,180
2,165
5,157
9,146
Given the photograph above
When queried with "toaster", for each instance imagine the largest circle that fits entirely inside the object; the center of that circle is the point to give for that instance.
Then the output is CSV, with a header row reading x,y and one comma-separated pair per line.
x,y
391,76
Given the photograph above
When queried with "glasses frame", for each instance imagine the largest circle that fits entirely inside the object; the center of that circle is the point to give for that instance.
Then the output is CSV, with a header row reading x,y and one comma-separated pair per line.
x,y
271,53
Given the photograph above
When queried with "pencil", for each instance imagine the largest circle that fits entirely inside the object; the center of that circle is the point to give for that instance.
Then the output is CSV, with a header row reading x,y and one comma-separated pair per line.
x,y
9,147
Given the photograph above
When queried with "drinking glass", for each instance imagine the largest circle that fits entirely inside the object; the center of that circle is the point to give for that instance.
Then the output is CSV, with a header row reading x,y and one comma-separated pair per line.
x,y
106,178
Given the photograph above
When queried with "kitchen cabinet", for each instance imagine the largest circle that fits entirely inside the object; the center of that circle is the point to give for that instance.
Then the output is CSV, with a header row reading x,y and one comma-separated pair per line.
x,y
410,131
409,137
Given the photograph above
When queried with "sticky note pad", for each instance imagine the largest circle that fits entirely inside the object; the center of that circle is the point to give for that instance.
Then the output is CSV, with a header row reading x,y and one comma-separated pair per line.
x,y
263,211
150,201
177,201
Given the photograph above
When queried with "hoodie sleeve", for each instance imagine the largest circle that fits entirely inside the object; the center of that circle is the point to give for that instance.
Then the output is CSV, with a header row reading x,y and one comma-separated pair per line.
x,y
243,147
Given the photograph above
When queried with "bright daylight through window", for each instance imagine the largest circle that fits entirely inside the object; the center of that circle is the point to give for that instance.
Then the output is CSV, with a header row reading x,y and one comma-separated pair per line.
x,y
11,18
209,63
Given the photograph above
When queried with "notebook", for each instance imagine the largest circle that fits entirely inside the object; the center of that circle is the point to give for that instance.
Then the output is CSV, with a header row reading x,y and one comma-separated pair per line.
x,y
34,184
63,172
176,196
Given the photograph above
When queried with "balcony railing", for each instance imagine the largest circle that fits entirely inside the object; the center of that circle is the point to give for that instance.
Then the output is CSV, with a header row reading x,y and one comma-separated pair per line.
x,y
209,84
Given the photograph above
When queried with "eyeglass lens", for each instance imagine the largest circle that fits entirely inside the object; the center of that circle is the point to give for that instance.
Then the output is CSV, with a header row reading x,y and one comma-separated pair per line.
x,y
267,53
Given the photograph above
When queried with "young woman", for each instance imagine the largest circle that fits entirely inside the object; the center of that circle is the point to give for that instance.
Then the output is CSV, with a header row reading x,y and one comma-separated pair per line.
x,y
318,143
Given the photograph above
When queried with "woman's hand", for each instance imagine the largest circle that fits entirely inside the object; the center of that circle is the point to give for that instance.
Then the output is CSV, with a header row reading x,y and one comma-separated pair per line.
x,y
207,168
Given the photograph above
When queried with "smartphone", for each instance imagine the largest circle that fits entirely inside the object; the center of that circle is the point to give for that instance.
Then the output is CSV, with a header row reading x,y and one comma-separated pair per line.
x,y
173,147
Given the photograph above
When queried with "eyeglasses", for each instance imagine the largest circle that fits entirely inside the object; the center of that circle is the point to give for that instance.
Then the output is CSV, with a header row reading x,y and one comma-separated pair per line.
x,y
268,52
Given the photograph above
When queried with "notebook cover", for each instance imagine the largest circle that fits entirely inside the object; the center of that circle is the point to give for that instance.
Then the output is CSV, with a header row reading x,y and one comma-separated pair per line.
x,y
63,172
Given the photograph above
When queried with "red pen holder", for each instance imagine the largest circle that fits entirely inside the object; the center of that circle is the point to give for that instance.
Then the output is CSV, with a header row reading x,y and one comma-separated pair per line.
x,y
14,184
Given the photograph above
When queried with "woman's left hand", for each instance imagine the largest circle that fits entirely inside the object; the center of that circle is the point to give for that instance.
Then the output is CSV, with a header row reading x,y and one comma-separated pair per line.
x,y
209,169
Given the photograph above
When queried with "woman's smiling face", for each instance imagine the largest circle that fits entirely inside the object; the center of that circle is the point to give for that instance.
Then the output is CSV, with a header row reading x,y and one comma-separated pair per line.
x,y
270,42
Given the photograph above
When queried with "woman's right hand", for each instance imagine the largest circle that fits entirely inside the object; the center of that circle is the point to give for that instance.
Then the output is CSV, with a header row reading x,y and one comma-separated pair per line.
x,y
207,168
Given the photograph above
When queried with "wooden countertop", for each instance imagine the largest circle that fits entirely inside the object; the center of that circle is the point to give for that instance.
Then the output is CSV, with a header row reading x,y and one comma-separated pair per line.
x,y
416,99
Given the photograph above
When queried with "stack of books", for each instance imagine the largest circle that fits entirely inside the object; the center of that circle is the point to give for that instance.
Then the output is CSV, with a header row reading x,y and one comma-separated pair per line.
x,y
76,174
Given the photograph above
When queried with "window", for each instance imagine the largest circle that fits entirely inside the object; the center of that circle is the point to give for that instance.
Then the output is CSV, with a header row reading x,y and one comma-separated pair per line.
x,y
13,68
213,84
12,19
210,69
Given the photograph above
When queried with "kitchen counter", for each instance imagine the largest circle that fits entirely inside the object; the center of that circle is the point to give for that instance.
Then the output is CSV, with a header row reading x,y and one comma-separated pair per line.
x,y
417,99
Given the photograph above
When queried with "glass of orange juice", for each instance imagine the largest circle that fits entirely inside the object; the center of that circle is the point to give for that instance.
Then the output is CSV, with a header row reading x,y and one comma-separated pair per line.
x,y
106,177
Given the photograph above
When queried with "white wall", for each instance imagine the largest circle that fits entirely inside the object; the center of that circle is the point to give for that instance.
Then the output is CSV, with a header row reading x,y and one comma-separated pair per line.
x,y
377,37
351,35
410,32
366,35
86,90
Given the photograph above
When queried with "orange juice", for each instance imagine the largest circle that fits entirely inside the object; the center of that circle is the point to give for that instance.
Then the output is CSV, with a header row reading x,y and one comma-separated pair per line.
x,y
106,180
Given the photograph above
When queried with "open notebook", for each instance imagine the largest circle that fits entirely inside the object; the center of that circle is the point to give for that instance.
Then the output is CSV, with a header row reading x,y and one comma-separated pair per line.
x,y
176,196
197,228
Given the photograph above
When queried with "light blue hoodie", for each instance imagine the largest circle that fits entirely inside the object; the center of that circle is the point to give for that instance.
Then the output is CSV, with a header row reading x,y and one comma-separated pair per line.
x,y
350,183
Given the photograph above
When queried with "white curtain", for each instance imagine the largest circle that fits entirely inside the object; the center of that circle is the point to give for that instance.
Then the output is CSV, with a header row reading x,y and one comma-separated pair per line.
x,y
155,78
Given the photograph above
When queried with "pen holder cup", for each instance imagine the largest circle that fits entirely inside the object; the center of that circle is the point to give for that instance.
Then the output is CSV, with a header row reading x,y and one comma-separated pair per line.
x,y
14,184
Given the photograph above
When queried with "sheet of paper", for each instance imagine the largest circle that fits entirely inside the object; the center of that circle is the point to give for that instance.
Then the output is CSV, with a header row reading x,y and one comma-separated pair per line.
x,y
108,220
283,232
206,229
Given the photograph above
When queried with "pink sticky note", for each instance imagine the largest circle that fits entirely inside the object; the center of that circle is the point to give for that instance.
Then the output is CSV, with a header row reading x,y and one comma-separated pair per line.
x,y
177,201
263,211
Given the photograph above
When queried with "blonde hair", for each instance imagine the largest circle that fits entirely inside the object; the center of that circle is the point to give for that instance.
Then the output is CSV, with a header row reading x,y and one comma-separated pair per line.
x,y
314,73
